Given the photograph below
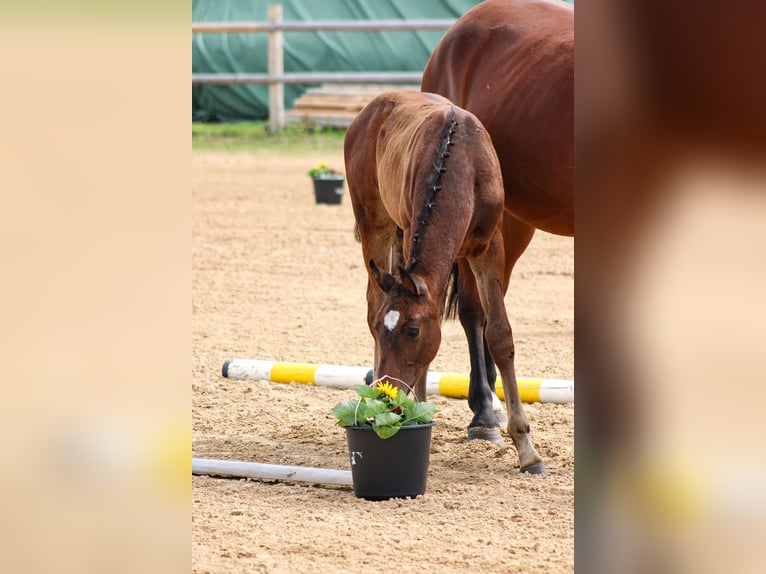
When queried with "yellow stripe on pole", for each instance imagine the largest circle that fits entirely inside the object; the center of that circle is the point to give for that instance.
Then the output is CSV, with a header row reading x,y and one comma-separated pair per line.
x,y
454,385
293,373
529,390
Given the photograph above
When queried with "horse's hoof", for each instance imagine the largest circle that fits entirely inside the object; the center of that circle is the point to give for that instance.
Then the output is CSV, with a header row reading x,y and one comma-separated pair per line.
x,y
535,468
491,434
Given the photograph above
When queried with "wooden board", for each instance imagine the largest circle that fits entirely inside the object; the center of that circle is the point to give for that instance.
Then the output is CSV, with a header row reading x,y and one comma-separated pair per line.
x,y
336,105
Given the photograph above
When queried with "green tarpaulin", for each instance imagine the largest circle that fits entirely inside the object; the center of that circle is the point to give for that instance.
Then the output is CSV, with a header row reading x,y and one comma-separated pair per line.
x,y
229,53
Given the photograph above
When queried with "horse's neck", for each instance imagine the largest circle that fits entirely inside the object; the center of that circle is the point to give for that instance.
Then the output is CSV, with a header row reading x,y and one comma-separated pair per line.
x,y
433,270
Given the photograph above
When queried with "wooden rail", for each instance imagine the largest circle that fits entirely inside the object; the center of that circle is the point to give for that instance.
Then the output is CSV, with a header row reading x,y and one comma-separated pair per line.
x,y
324,25
310,78
276,77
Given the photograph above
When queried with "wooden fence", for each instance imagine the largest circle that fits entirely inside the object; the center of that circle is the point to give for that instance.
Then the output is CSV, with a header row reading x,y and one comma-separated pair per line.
x,y
276,77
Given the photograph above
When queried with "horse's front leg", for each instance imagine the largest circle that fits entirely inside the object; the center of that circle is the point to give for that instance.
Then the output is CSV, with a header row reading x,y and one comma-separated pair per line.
x,y
500,343
497,406
480,395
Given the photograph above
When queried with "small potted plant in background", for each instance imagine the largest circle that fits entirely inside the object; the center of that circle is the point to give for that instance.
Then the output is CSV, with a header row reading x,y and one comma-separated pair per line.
x,y
328,183
389,441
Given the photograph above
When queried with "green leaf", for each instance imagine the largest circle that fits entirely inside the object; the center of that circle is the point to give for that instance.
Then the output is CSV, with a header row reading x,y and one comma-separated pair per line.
x,y
420,413
367,392
375,408
387,418
348,414
387,424
401,400
385,431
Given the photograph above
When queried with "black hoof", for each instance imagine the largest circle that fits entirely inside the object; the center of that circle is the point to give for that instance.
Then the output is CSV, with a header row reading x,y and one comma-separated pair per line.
x,y
535,468
485,433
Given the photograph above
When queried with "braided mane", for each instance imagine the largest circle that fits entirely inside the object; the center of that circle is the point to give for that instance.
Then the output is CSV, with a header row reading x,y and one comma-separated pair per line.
x,y
434,187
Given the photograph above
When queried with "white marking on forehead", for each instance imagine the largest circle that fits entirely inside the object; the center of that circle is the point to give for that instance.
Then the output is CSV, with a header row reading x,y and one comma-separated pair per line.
x,y
391,319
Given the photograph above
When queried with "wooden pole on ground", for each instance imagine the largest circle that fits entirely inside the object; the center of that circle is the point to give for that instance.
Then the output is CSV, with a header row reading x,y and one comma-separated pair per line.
x,y
241,469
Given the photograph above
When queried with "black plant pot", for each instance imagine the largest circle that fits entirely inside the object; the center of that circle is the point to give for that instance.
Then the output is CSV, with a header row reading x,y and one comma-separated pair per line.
x,y
328,190
395,467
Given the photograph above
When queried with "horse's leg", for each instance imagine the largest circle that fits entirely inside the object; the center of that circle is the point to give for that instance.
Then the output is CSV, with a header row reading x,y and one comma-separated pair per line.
x,y
516,238
488,269
484,424
497,407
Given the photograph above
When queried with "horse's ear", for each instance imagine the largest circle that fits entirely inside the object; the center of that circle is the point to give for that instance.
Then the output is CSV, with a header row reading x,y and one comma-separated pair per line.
x,y
412,283
383,279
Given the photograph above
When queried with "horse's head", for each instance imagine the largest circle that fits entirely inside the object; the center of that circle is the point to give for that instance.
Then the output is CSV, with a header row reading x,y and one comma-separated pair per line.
x,y
407,328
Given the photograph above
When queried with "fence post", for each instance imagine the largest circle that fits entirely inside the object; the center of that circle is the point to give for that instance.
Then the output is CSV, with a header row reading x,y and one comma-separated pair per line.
x,y
277,68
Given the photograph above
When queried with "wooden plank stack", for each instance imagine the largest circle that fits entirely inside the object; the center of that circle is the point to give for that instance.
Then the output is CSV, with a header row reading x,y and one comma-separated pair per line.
x,y
335,105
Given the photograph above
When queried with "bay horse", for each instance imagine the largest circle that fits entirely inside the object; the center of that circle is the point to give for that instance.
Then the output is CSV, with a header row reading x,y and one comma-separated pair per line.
x,y
427,194
511,64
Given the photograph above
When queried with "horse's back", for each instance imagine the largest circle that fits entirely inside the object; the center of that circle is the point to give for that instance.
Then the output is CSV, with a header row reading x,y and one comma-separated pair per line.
x,y
511,63
392,147
392,141
384,141
394,116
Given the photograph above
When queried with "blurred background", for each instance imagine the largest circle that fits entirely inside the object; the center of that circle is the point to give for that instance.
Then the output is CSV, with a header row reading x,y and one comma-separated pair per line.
x,y
671,230
670,139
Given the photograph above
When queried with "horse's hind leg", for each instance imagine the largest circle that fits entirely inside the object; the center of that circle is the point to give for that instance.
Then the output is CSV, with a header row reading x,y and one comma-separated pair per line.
x,y
487,269
484,424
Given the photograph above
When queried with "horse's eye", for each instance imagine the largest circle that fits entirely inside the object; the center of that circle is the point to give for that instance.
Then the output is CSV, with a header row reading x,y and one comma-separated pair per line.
x,y
412,333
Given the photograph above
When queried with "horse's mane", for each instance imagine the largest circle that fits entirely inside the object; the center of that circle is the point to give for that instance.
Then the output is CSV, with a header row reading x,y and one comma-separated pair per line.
x,y
434,187
449,305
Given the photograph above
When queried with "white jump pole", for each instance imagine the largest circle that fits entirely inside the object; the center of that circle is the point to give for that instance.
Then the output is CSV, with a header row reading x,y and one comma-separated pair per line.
x,y
240,469
455,385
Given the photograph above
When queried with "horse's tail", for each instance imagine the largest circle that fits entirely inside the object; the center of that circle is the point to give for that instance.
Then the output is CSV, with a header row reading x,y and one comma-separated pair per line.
x,y
449,305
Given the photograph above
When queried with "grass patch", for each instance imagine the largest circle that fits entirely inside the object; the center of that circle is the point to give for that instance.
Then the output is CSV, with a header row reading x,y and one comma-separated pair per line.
x,y
254,137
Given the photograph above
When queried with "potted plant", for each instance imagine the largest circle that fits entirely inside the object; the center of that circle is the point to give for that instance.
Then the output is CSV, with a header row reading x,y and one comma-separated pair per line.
x,y
389,440
328,183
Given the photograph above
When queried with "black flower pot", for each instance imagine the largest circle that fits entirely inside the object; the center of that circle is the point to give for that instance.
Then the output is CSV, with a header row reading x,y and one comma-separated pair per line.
x,y
328,190
395,467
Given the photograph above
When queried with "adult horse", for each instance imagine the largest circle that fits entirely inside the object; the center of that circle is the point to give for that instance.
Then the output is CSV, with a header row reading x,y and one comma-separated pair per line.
x,y
427,193
511,64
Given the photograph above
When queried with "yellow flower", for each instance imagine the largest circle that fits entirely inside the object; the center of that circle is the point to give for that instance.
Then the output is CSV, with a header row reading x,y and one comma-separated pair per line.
x,y
387,389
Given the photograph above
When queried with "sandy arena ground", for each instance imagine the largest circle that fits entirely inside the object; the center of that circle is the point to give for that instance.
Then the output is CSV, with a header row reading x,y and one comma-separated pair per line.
x,y
276,276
